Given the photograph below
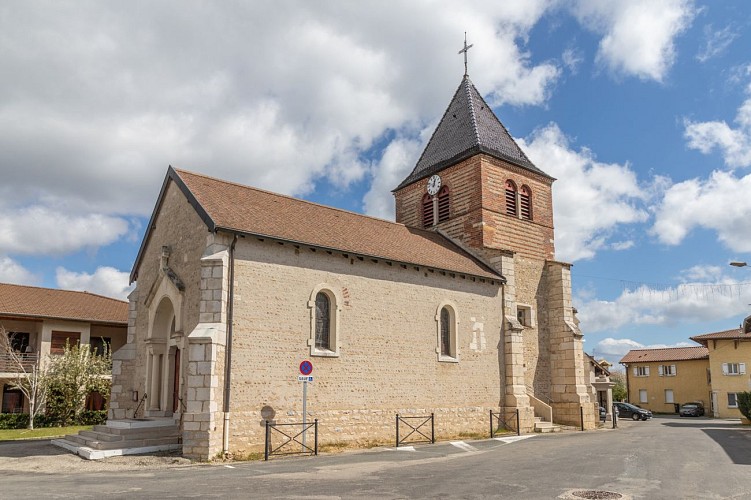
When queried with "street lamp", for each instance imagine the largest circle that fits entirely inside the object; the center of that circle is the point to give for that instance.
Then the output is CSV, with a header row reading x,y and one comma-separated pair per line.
x,y
736,263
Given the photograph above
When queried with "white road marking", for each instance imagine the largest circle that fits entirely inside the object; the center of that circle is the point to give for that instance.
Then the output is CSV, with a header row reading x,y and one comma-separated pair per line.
x,y
229,466
406,448
464,446
514,438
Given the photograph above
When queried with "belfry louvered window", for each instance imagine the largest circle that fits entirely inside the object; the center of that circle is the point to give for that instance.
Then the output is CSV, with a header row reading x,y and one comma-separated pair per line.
x,y
510,198
427,210
445,332
525,202
443,204
323,321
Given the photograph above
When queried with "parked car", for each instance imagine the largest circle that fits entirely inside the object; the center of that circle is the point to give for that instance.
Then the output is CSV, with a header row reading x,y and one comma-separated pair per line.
x,y
626,410
693,409
603,413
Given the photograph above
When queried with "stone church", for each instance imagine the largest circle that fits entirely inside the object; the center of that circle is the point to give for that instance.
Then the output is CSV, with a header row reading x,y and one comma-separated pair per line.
x,y
457,308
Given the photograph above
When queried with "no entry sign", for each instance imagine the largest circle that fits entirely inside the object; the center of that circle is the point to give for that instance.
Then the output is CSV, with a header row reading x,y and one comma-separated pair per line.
x,y
306,367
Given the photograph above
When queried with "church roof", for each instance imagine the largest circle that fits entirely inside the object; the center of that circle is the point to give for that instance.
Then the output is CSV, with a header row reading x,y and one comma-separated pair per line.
x,y
243,209
33,302
468,127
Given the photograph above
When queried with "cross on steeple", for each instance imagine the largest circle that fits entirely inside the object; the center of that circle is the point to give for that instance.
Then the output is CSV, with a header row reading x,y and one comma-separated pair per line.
x,y
464,51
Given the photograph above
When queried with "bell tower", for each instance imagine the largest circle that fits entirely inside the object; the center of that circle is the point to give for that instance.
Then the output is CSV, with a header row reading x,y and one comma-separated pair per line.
x,y
475,185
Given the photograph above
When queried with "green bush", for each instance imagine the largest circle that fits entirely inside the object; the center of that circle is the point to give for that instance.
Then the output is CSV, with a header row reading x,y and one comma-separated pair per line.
x,y
744,404
21,420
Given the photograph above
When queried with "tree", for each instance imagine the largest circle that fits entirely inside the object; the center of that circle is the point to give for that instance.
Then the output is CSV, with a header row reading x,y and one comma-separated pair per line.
x,y
744,404
620,393
30,375
74,374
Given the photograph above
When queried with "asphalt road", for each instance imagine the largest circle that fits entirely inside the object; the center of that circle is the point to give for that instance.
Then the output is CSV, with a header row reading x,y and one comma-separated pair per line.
x,y
660,458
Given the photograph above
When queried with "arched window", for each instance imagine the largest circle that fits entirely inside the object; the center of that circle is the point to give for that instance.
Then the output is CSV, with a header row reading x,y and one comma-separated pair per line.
x,y
510,198
325,335
427,211
525,202
447,347
323,321
445,332
443,204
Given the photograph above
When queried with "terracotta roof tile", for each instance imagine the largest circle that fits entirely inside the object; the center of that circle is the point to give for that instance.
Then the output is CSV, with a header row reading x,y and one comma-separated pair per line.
x,y
734,333
248,210
29,301
665,354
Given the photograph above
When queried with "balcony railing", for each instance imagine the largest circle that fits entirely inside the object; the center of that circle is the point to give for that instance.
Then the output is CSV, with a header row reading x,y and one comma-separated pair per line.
x,y
10,365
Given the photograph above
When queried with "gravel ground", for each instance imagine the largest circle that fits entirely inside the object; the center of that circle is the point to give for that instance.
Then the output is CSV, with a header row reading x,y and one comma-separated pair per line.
x,y
41,456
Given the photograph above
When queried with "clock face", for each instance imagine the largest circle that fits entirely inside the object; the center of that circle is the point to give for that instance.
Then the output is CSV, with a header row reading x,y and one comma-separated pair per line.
x,y
434,184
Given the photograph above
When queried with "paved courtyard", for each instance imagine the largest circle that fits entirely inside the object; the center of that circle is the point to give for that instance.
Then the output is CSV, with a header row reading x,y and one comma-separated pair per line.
x,y
662,458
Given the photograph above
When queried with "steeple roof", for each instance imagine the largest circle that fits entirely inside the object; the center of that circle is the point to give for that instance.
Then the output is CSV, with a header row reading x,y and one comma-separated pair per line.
x,y
468,127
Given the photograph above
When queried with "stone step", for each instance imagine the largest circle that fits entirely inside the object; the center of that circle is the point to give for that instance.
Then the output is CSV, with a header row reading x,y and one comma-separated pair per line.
x,y
140,431
93,454
128,443
547,427
100,436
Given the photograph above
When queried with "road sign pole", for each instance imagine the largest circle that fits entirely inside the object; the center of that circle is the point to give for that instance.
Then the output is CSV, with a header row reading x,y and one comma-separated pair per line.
x,y
304,411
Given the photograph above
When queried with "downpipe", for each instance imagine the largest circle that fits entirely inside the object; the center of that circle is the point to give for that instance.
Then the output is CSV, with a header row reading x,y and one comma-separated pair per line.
x,y
228,349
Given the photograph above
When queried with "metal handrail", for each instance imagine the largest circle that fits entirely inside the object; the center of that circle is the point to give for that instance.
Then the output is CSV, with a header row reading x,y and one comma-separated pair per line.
x,y
9,362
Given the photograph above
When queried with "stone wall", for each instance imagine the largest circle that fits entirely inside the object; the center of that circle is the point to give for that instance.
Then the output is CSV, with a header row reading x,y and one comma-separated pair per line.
x,y
388,341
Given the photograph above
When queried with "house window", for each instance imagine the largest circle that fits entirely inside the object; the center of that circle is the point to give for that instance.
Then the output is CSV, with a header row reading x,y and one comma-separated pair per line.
x,y
427,210
525,203
734,368
732,400
101,345
643,396
641,371
510,198
447,333
443,204
60,339
19,341
525,315
669,396
324,322
12,400
667,370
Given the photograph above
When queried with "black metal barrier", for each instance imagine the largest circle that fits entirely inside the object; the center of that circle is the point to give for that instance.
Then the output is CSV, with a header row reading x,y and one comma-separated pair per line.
x,y
498,420
416,429
272,430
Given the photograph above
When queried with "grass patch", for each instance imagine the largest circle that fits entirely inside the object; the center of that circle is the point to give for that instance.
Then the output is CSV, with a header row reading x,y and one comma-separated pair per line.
x,y
44,432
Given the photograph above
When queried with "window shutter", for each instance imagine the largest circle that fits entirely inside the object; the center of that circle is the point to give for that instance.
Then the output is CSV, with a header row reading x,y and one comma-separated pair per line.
x,y
673,370
742,367
646,371
443,204
510,198
525,203
636,372
724,368
427,210
660,370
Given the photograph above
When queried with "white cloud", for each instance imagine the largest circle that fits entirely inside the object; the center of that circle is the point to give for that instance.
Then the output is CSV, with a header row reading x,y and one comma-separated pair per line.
x,y
572,59
394,166
638,36
584,186
733,143
720,203
716,42
106,281
274,95
614,349
41,230
13,272
703,294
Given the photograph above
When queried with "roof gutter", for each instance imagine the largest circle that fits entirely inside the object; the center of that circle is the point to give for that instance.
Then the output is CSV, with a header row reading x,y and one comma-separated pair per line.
x,y
228,348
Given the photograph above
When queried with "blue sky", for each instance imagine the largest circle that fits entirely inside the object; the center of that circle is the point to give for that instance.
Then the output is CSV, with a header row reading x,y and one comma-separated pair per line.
x,y
640,109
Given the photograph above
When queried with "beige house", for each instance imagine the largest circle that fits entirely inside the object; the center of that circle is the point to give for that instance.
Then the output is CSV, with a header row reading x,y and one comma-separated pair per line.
x,y
661,379
40,321
456,309
729,355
